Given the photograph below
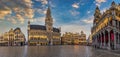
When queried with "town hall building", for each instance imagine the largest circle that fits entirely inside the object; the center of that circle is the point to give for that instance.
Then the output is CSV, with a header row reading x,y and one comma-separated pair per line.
x,y
44,34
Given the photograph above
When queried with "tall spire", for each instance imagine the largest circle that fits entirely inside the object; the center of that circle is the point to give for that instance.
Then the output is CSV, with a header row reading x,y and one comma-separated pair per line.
x,y
49,20
97,12
97,8
97,15
48,14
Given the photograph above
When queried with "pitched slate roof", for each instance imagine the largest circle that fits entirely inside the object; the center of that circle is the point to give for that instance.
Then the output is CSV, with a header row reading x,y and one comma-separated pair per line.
x,y
41,27
38,27
56,30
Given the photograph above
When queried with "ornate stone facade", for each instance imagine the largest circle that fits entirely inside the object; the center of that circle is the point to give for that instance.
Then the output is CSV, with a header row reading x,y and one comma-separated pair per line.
x,y
13,38
106,28
74,38
44,35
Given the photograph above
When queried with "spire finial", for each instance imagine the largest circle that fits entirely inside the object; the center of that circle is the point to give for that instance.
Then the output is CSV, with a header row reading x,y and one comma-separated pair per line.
x,y
113,3
97,8
48,14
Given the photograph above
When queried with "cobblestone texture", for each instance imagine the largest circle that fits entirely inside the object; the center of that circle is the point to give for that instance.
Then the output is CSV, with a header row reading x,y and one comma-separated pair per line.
x,y
55,51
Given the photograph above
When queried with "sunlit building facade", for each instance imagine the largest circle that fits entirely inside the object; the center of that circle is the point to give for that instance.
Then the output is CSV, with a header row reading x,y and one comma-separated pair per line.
x,y
13,38
74,38
19,37
82,39
2,41
44,34
106,28
67,38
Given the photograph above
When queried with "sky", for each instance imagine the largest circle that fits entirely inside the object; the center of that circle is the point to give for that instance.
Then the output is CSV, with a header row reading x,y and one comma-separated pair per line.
x,y
71,15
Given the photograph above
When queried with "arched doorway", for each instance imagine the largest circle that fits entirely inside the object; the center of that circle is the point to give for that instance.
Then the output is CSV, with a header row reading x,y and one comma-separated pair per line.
x,y
21,44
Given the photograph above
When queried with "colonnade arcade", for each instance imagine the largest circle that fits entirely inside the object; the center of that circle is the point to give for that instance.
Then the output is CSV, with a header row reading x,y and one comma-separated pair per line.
x,y
107,38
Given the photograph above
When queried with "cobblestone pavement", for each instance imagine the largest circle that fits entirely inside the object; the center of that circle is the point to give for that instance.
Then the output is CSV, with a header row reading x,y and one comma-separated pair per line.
x,y
105,53
55,51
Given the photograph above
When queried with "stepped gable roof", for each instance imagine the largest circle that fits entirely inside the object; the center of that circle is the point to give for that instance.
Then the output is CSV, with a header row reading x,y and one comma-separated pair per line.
x,y
17,29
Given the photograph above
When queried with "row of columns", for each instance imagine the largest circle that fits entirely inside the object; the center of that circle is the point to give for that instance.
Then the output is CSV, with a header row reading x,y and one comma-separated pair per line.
x,y
112,39
112,35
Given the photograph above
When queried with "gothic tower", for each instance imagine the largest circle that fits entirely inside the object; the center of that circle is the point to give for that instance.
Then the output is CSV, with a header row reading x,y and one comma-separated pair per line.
x,y
113,4
97,15
49,21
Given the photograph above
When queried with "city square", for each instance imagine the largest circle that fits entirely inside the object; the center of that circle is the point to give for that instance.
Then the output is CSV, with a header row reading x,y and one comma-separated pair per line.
x,y
64,28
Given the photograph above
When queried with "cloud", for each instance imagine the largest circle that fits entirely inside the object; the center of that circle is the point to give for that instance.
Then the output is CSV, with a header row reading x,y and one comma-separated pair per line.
x,y
103,10
29,13
3,13
20,18
40,11
71,28
74,12
52,4
40,20
88,20
12,20
75,5
98,2
21,9
44,2
88,12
